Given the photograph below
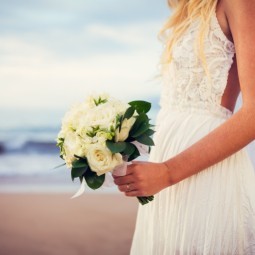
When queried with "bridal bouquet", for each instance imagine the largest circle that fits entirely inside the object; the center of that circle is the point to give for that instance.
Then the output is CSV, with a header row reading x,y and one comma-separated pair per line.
x,y
102,135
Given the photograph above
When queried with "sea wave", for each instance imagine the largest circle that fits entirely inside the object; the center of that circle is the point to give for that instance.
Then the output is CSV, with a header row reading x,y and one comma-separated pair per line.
x,y
28,147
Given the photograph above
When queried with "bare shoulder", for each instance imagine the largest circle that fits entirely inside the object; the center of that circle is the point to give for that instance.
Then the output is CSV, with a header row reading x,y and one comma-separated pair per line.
x,y
239,6
239,14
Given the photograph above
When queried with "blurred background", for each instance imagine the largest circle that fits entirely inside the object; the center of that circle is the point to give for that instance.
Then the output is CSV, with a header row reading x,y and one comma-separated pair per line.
x,y
54,53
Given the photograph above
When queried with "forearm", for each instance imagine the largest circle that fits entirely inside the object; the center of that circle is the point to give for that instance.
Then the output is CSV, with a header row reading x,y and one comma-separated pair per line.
x,y
230,137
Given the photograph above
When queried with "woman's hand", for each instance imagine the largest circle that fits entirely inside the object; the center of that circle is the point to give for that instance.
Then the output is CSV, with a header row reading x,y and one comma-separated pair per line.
x,y
143,179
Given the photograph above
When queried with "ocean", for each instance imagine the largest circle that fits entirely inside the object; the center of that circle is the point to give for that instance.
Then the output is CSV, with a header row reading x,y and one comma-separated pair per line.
x,y
28,152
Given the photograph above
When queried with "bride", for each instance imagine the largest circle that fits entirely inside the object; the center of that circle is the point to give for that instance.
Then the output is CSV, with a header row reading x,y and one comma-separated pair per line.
x,y
199,169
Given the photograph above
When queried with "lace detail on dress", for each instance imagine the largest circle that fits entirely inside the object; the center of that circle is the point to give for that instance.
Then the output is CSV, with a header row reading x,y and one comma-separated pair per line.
x,y
186,84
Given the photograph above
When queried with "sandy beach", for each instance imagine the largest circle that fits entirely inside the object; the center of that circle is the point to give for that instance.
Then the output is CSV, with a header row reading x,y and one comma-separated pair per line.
x,y
92,224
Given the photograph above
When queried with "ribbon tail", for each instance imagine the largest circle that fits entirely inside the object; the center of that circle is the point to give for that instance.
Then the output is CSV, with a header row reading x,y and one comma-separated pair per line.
x,y
120,170
81,189
142,148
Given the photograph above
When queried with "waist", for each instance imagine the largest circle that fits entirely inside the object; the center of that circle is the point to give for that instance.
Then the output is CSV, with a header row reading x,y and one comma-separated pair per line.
x,y
215,110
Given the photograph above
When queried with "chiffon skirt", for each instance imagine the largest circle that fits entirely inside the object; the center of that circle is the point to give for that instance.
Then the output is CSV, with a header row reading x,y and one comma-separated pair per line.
x,y
211,212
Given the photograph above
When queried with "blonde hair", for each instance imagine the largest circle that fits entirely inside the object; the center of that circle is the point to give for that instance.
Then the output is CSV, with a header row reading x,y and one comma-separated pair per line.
x,y
184,12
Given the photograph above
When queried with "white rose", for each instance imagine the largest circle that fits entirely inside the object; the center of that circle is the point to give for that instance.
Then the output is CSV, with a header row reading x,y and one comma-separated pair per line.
x,y
103,136
73,146
119,106
126,125
101,160
102,116
71,119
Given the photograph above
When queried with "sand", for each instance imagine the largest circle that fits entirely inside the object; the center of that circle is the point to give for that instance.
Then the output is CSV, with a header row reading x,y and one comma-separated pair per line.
x,y
92,224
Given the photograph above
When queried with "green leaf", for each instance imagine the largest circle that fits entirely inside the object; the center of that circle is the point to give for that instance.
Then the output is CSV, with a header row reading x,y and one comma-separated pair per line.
x,y
144,139
99,101
141,129
134,155
119,119
93,180
130,149
130,139
78,172
116,147
81,178
141,120
78,157
141,106
129,113
79,164
59,166
149,132
60,144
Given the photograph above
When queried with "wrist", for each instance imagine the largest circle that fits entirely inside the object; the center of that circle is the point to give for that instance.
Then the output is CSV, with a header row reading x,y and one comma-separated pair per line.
x,y
171,172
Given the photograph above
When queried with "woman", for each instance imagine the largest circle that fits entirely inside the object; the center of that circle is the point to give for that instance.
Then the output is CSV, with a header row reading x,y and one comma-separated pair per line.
x,y
199,171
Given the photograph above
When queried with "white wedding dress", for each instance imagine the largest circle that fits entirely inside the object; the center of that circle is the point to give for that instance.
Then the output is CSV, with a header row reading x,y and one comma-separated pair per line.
x,y
212,212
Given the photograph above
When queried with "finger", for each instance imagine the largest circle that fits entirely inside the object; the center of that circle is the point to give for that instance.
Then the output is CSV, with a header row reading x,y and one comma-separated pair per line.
x,y
131,168
124,180
133,193
127,187
122,188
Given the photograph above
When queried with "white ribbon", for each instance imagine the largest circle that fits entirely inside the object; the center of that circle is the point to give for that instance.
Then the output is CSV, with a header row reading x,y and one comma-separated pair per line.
x,y
142,148
121,170
80,190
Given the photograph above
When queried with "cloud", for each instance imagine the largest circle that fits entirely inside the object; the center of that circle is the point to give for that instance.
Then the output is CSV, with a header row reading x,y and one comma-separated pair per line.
x,y
137,35
41,79
53,53
28,15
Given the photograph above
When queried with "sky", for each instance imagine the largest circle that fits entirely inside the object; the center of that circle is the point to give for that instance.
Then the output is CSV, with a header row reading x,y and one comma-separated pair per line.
x,y
56,52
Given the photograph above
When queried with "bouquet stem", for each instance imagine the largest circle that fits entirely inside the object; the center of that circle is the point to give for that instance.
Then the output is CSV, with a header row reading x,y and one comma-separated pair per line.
x,y
145,200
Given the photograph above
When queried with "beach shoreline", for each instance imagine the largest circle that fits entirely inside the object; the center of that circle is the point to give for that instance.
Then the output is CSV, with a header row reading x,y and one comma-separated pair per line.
x,y
52,224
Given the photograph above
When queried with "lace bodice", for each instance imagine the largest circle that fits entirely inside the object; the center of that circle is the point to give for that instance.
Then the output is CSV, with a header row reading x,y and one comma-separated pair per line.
x,y
185,84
